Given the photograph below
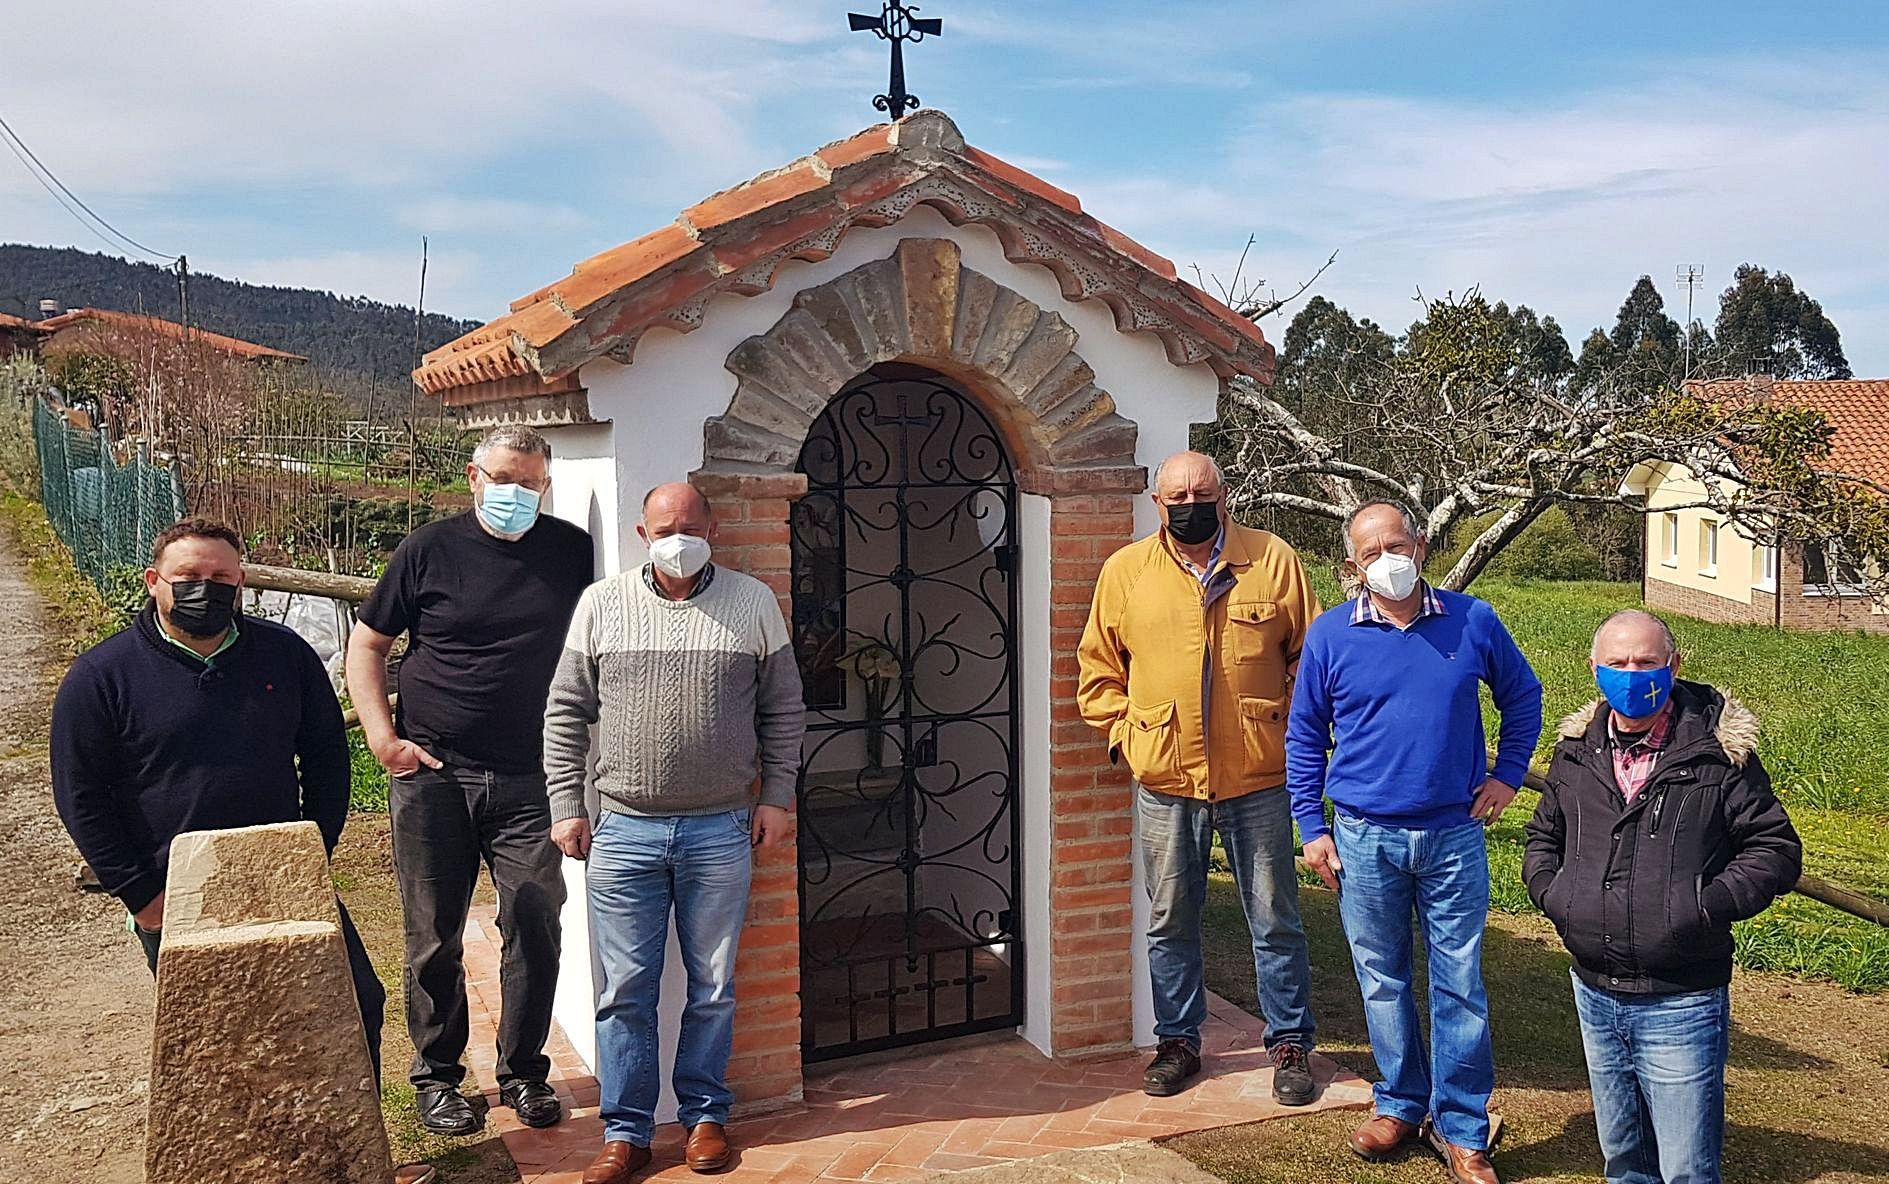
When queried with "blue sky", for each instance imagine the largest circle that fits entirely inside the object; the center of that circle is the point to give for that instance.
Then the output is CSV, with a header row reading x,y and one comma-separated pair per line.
x,y
1548,152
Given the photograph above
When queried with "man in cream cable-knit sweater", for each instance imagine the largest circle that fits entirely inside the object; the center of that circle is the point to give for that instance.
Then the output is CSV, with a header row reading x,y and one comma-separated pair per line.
x,y
687,673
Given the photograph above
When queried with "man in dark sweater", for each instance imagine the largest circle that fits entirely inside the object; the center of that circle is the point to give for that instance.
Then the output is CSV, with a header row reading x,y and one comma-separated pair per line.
x,y
197,718
1658,829
484,598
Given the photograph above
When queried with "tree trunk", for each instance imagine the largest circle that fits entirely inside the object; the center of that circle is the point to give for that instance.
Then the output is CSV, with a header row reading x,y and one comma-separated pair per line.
x,y
1490,542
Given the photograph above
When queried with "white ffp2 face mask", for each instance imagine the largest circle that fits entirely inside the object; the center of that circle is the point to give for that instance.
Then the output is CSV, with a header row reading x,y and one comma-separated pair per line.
x,y
1391,575
679,556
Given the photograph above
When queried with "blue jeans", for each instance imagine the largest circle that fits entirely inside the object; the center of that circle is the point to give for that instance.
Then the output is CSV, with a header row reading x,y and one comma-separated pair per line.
x,y
1176,841
1443,875
1656,1064
639,868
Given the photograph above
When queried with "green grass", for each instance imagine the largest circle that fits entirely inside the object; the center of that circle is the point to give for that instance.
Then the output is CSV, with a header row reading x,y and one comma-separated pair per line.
x,y
1805,1057
369,791
1822,699
80,617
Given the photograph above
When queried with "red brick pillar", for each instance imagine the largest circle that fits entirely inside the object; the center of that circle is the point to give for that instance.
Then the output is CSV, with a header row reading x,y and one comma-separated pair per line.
x,y
753,536
1091,859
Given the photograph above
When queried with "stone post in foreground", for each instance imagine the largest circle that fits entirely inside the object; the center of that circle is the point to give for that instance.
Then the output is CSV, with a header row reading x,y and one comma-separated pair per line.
x,y
259,1067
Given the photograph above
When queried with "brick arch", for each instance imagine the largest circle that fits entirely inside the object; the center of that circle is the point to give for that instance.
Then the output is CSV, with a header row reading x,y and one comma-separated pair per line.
x,y
922,305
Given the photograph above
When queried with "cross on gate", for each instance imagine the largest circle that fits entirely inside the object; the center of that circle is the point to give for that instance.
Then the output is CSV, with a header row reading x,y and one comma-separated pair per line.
x,y
897,25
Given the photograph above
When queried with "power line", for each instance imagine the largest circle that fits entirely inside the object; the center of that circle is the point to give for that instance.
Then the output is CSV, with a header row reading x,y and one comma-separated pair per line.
x,y
18,146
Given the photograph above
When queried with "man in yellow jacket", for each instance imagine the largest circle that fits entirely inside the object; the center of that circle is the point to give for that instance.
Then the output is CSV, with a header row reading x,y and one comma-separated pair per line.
x,y
1187,665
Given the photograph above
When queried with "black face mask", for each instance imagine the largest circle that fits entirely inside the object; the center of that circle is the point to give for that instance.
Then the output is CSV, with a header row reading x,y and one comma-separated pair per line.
x,y
202,608
1193,523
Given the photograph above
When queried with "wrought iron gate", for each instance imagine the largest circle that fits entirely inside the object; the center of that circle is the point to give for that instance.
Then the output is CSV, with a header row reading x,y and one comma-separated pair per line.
x,y
905,603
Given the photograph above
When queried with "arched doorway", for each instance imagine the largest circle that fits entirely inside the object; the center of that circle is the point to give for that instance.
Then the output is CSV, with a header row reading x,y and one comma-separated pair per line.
x,y
905,602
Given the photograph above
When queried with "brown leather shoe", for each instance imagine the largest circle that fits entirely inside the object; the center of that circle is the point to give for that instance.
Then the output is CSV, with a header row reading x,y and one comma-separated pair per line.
x,y
1466,1166
1380,1136
616,1163
708,1148
415,1173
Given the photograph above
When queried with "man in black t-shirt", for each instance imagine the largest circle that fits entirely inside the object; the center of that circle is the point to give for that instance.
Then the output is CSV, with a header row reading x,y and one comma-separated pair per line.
x,y
484,598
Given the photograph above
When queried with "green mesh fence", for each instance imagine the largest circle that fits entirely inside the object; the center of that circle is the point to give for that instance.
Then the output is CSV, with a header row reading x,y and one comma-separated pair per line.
x,y
108,514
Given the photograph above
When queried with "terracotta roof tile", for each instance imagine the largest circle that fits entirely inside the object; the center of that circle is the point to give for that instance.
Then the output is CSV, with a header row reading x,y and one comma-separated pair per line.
x,y
1030,183
800,211
135,321
874,141
770,189
9,321
1856,409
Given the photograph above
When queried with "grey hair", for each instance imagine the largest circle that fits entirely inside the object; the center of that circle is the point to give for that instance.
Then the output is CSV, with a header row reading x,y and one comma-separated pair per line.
x,y
1627,614
1219,478
1403,511
512,437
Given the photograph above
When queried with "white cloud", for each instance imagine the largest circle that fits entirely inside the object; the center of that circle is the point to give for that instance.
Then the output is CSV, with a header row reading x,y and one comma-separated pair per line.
x,y
475,216
1561,206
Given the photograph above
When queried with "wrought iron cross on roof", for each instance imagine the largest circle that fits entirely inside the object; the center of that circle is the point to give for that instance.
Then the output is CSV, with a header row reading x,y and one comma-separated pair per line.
x,y
897,25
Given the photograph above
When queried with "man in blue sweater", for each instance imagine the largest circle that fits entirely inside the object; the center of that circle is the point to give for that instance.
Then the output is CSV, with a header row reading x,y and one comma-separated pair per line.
x,y
198,718
1386,722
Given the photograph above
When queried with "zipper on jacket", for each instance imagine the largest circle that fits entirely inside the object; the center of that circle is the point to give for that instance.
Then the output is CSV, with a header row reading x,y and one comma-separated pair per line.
x,y
1658,808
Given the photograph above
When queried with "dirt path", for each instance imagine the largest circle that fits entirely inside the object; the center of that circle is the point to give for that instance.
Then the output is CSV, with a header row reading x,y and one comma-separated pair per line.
x,y
75,999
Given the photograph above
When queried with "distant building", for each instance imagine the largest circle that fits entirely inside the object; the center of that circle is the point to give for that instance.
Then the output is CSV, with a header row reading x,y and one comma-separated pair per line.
x,y
18,336
1702,566
98,330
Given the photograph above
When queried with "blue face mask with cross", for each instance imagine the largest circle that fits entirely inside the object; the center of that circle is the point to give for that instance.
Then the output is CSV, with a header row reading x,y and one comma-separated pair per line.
x,y
1635,694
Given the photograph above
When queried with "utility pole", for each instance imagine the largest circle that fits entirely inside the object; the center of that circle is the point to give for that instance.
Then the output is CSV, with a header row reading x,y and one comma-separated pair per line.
x,y
1689,277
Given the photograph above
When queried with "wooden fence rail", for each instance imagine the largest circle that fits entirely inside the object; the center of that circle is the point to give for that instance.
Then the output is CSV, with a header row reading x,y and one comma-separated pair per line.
x,y
355,589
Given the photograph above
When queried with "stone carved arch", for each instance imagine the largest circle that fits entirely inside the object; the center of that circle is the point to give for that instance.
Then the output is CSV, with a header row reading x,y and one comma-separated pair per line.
x,y
922,305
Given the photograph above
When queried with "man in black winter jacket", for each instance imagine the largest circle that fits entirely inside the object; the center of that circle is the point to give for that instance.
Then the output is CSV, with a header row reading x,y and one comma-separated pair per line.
x,y
1658,830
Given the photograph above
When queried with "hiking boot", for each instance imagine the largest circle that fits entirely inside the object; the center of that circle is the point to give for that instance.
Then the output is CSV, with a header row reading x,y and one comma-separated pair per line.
x,y
1380,1136
1291,1075
1173,1066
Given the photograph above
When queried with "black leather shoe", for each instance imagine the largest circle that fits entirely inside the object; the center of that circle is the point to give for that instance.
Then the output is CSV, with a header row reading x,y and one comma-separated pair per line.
x,y
535,1102
445,1111
1173,1066
1291,1075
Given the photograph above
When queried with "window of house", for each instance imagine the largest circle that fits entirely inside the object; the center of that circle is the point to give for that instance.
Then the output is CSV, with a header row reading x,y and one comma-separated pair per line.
x,y
1708,547
1764,568
1669,532
1827,569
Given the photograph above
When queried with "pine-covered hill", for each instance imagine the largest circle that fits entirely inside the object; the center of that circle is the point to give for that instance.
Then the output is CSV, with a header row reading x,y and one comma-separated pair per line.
x,y
336,333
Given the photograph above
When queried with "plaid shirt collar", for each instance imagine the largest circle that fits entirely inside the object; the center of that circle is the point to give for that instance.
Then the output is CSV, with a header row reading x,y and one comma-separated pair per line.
x,y
1636,753
1364,611
701,584
1654,738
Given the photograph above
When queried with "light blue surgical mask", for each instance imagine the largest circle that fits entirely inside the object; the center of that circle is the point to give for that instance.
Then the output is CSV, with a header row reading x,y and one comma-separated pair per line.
x,y
1635,694
509,510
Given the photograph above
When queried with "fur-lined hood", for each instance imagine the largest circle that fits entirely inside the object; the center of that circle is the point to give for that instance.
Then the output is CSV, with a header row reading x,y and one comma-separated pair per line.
x,y
1736,728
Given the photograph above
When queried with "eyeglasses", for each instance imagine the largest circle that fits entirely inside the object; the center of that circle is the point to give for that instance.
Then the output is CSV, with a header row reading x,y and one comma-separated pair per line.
x,y
534,486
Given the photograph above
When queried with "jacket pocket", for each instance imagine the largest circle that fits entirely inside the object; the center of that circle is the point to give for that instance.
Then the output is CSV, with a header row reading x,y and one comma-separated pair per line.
x,y
1263,732
1151,746
1252,633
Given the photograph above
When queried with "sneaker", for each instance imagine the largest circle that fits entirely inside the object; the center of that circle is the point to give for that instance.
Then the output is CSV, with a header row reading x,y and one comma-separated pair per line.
x,y
1173,1066
1291,1075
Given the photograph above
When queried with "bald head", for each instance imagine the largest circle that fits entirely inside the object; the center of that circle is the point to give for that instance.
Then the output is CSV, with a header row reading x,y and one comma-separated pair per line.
x,y
1633,639
676,508
1187,477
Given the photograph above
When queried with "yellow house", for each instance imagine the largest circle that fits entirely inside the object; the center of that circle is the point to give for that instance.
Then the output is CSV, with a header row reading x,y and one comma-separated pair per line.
x,y
1698,564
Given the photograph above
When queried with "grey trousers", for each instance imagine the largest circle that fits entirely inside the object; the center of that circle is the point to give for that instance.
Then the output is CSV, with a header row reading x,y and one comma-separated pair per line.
x,y
445,823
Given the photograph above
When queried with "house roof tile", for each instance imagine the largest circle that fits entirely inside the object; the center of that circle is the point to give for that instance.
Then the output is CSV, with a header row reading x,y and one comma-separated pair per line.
x,y
736,240
235,346
1856,409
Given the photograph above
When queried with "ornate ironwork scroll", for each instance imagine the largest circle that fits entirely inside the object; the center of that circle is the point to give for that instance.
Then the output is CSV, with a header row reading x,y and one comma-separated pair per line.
x,y
905,609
